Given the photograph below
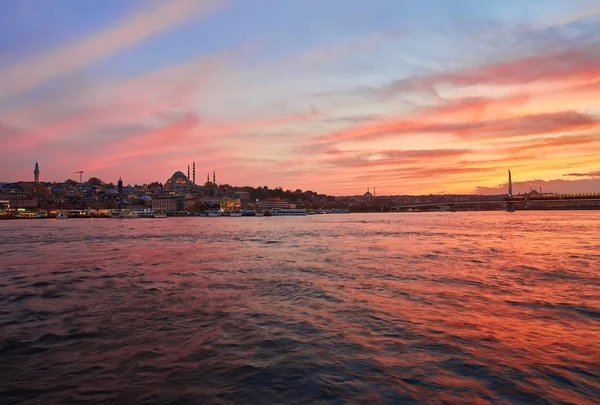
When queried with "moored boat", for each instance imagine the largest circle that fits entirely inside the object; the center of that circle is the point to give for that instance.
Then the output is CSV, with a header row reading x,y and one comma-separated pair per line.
x,y
116,214
288,212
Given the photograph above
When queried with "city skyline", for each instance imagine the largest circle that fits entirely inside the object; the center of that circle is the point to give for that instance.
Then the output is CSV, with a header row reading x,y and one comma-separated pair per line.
x,y
521,187
413,98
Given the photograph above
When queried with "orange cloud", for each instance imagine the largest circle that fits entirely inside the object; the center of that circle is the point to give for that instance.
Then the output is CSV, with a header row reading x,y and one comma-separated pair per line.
x,y
567,121
561,141
573,65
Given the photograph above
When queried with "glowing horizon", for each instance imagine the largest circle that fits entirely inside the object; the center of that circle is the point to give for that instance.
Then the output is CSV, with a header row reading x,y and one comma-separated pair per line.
x,y
413,98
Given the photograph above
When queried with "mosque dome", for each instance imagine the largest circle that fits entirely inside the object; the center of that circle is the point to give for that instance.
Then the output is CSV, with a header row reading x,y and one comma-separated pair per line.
x,y
178,182
111,191
146,198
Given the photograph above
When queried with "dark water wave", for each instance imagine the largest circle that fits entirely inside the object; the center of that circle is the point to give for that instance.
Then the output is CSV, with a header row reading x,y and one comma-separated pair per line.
x,y
400,309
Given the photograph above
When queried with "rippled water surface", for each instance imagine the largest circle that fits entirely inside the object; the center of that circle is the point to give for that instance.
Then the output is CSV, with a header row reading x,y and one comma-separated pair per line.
x,y
361,308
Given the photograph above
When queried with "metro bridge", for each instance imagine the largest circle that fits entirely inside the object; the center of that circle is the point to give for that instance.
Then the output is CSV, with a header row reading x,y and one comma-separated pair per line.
x,y
511,202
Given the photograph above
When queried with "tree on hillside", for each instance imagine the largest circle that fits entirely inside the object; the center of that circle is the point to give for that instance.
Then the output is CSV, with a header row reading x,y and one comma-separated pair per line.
x,y
199,206
95,181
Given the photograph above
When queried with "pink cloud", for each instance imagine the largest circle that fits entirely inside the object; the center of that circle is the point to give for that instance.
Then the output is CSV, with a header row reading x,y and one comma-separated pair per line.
x,y
566,121
573,65
151,143
551,143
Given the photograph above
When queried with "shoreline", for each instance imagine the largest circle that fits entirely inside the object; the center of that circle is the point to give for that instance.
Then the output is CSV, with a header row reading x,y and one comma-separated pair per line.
x,y
183,215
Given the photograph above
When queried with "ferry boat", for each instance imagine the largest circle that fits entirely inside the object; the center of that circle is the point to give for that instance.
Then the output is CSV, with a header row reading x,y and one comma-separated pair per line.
x,y
288,212
145,213
131,215
116,214
235,214
213,214
61,215
259,214
159,214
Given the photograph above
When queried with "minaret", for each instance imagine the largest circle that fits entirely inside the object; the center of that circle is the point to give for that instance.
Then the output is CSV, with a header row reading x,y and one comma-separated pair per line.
x,y
373,191
509,184
207,179
214,178
194,173
36,173
120,186
188,172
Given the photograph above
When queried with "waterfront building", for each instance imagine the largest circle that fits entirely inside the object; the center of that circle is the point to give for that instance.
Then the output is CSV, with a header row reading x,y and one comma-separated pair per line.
x,y
188,202
271,203
165,203
241,194
23,202
169,202
231,204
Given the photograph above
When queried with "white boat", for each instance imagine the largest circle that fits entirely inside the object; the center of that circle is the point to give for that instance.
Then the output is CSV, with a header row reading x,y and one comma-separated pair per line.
x,y
116,214
213,214
159,214
260,214
131,214
61,215
235,214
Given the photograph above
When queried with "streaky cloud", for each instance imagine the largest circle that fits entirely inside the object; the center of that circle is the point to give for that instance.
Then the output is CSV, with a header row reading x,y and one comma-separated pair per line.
x,y
37,69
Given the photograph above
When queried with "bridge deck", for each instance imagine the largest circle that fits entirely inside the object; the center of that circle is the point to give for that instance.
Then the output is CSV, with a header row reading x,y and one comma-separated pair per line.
x,y
497,202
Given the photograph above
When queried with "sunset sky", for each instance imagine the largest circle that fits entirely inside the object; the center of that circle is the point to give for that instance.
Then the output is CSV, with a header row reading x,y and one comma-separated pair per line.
x,y
333,96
